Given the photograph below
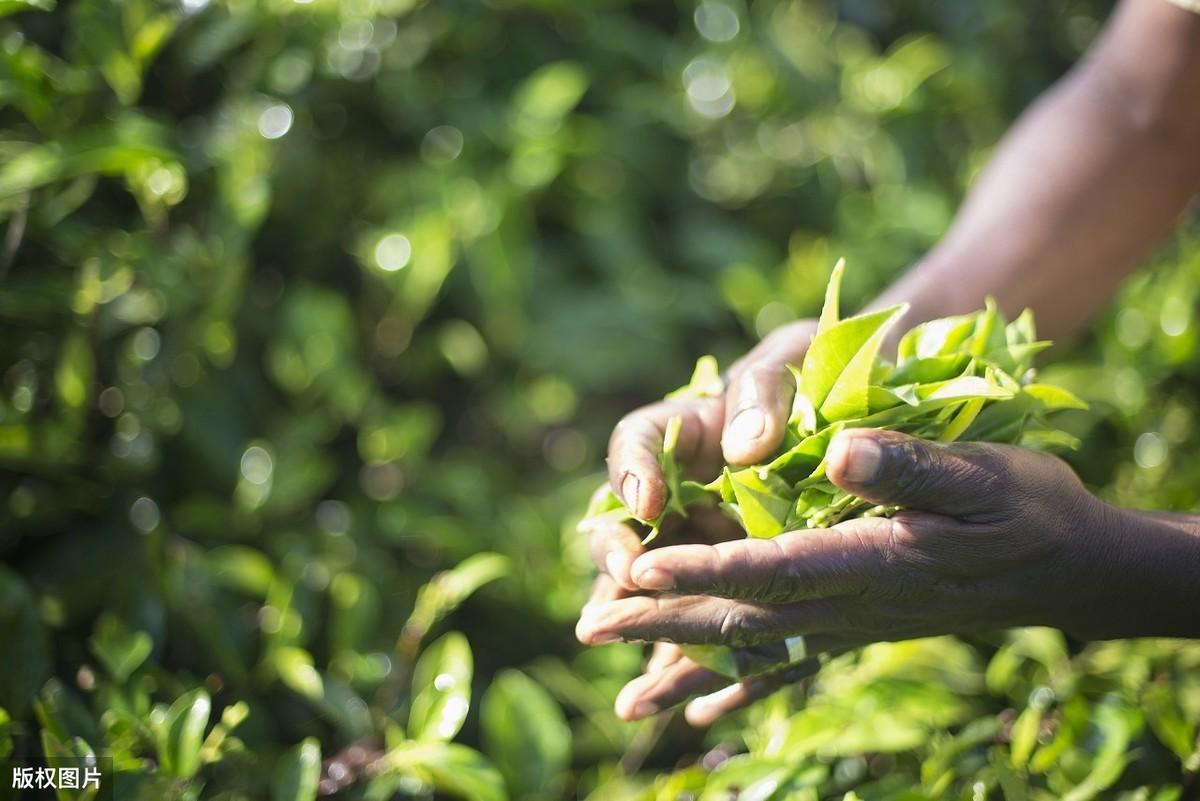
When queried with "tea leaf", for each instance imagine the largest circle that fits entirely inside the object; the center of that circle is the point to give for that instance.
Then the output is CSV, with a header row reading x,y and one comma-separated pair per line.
x,y
829,311
837,368
441,689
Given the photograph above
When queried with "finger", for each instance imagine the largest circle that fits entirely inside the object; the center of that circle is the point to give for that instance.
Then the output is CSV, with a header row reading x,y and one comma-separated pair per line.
x,y
705,710
758,399
757,405
648,694
662,655
794,566
604,589
614,546
636,443
717,621
888,467
651,693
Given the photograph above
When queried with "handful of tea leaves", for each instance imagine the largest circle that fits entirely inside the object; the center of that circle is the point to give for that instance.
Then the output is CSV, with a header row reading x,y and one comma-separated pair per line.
x,y
969,376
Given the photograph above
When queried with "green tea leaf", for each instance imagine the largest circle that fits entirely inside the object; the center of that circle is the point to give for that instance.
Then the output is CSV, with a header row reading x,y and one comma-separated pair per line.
x,y
706,381
935,339
526,735
452,768
441,689
179,733
929,369
989,334
298,772
829,311
836,371
1053,398
763,501
448,589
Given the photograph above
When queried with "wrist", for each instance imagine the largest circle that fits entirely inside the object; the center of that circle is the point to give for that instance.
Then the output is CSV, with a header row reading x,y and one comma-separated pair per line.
x,y
1136,574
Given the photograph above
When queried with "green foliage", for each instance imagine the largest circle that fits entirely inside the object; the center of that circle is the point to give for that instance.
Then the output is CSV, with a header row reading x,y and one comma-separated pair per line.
x,y
305,304
527,736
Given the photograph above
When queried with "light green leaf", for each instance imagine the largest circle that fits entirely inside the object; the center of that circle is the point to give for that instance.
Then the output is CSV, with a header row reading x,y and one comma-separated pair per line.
x,y
1024,736
242,568
930,369
1053,398
989,334
1169,721
441,689
119,148
75,372
830,313
763,503
717,658
179,733
961,420
706,381
836,371
546,96
452,768
935,339
448,589
801,459
1021,330
967,387
294,666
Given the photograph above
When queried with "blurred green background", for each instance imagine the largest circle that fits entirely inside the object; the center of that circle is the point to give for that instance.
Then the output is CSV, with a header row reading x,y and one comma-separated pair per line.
x,y
304,303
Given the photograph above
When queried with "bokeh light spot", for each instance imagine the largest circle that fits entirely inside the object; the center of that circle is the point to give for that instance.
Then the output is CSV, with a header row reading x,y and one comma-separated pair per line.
x,y
257,465
1150,450
393,252
716,22
275,120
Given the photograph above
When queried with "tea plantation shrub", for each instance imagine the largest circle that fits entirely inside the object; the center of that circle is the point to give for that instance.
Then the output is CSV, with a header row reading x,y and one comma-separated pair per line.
x,y
316,316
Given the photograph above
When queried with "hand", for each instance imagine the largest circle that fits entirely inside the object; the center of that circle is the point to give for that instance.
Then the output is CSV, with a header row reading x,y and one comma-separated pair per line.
x,y
670,677
743,426
994,536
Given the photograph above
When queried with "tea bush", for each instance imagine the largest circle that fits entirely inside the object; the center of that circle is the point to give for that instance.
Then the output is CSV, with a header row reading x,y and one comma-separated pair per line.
x,y
317,314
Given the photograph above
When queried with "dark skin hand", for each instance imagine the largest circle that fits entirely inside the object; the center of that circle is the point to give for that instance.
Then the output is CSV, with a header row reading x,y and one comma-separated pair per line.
x,y
1089,180
993,536
743,426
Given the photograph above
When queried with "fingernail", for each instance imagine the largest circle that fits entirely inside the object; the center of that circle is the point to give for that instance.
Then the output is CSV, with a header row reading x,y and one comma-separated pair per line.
x,y
644,709
748,424
655,579
864,458
629,491
605,639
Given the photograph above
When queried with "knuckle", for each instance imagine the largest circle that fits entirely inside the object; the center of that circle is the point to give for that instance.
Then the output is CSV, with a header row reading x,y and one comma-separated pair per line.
x,y
729,624
914,470
776,583
739,625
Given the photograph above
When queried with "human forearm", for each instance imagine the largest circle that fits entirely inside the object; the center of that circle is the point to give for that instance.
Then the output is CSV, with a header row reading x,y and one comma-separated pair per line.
x,y
1091,178
1142,579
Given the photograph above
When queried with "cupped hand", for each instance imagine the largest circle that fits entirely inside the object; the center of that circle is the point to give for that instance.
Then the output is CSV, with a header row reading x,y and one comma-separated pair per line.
x,y
992,536
742,426
670,677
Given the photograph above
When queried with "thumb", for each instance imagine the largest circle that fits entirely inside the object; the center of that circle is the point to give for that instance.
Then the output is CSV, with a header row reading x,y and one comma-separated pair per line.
x,y
888,467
